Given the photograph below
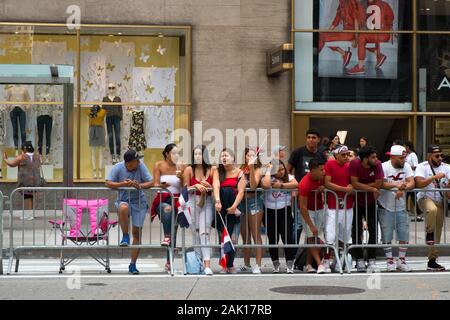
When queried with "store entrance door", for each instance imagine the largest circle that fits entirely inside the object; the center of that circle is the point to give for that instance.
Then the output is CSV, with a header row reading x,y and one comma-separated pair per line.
x,y
380,132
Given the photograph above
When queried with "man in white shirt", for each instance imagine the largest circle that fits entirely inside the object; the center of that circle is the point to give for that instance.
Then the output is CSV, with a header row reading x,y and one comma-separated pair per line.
x,y
392,212
433,174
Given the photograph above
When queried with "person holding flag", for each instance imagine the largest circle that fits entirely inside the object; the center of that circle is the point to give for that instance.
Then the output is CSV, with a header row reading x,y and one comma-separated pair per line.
x,y
229,188
199,212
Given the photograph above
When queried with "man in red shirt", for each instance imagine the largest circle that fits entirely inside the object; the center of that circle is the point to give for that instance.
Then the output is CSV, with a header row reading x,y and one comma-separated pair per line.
x,y
351,14
310,203
366,175
337,179
387,21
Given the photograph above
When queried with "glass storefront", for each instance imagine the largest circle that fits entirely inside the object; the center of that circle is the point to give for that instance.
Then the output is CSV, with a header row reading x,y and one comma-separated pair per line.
x,y
131,90
363,62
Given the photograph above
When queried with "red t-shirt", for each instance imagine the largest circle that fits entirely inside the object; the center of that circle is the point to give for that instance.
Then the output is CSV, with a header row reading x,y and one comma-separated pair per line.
x,y
366,176
340,175
305,189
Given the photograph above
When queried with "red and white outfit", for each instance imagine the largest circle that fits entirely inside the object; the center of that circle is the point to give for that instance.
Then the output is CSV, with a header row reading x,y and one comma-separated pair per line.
x,y
306,188
336,208
347,13
202,217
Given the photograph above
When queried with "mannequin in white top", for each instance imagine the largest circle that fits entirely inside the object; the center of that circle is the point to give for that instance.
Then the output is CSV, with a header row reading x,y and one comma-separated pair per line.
x,y
17,93
45,114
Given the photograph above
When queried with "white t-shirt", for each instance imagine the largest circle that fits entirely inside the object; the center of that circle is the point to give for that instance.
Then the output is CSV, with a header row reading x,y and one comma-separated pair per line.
x,y
387,197
278,199
411,158
424,170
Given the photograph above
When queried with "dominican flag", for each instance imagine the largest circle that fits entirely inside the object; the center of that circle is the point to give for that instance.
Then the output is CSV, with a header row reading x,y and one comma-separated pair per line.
x,y
184,212
226,247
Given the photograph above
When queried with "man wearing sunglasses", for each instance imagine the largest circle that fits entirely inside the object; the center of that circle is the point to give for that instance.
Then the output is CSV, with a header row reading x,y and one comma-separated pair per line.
x,y
433,174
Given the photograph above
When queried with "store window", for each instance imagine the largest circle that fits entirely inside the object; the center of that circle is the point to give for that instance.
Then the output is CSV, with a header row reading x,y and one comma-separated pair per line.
x,y
131,90
368,71
433,15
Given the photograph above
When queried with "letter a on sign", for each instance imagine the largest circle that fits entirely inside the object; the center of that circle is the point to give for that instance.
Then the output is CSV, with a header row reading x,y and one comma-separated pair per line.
x,y
374,20
444,83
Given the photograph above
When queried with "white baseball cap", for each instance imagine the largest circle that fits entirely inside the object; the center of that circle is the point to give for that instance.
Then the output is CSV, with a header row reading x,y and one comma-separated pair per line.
x,y
397,151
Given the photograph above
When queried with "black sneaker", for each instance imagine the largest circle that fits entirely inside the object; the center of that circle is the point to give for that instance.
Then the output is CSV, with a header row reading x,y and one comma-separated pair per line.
x,y
434,266
430,238
418,219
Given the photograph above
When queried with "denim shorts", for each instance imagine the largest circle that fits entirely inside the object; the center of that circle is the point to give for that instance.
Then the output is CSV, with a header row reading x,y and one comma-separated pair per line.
x,y
136,210
254,204
390,220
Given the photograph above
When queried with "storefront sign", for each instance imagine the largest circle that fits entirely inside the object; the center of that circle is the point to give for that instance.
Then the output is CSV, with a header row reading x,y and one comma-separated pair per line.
x,y
280,59
444,84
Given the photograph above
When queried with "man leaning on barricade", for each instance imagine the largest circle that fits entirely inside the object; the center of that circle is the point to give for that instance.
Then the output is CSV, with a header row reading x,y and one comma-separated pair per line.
x,y
433,174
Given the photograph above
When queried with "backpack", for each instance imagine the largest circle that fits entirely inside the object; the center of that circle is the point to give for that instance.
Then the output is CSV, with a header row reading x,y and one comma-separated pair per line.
x,y
194,264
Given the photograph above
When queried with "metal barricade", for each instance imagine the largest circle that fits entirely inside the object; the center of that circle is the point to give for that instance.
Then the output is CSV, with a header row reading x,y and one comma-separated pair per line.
x,y
371,215
58,210
285,209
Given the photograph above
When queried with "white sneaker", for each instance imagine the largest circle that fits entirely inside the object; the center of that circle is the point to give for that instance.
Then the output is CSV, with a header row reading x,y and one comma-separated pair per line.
x,y
245,268
223,271
372,267
361,265
276,267
391,267
403,266
310,269
326,266
321,269
256,270
208,271
290,266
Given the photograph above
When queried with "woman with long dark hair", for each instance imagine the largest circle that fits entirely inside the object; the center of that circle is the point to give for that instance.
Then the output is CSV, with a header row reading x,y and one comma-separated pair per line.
x,y
168,174
252,217
229,188
199,176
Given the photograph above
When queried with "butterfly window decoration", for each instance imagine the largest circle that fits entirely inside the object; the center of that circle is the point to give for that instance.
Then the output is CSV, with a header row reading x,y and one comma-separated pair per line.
x,y
161,50
144,58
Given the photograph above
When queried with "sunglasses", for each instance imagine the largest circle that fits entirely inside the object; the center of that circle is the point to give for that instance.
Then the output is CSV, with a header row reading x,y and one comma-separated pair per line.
x,y
440,155
111,87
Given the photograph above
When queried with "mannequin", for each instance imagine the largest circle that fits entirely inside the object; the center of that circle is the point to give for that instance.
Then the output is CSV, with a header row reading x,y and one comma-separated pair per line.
x,y
96,138
114,114
44,117
18,94
137,136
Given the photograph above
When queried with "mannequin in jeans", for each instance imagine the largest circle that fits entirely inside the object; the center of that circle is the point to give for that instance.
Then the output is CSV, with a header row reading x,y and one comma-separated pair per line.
x,y
17,93
96,138
44,118
114,115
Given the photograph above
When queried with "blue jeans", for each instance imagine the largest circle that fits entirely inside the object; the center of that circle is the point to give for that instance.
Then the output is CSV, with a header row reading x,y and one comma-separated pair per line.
x,y
166,220
44,121
17,114
393,220
113,126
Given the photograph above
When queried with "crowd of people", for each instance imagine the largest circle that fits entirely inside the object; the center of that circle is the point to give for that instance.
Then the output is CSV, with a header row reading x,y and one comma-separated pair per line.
x,y
333,185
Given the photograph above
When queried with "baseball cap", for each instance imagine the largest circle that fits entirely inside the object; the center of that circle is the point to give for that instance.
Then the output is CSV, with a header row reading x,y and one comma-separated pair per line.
x,y
131,155
278,148
340,148
434,148
397,150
